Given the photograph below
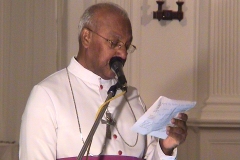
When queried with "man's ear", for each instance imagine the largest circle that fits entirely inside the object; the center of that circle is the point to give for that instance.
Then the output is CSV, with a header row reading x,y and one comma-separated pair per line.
x,y
85,37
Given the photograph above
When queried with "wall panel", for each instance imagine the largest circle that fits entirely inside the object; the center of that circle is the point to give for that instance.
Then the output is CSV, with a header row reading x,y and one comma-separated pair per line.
x,y
219,144
28,53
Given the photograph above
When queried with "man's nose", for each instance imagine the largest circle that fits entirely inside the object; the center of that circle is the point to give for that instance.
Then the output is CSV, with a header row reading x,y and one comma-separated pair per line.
x,y
122,52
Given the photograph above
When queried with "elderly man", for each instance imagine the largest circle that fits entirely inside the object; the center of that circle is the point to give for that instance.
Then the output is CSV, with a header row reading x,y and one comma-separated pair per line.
x,y
62,108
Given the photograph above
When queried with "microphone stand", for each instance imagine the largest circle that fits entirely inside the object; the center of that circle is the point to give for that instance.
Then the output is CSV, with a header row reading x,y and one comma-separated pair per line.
x,y
111,93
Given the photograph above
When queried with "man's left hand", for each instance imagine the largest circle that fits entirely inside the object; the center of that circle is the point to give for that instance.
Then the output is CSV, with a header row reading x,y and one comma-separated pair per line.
x,y
176,134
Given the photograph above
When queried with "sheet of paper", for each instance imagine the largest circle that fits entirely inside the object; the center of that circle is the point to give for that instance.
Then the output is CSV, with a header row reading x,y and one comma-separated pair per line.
x,y
159,115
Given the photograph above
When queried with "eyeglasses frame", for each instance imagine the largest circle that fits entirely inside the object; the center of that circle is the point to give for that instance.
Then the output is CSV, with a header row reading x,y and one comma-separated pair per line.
x,y
131,48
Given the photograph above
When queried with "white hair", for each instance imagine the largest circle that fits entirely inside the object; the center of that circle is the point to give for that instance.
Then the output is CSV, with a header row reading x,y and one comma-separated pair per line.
x,y
87,18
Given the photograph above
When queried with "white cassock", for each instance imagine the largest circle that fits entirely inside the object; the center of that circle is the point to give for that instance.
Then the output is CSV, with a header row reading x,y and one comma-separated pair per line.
x,y
50,127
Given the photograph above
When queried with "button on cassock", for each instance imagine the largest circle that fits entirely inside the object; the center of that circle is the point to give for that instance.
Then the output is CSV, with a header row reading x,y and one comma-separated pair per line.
x,y
119,152
115,136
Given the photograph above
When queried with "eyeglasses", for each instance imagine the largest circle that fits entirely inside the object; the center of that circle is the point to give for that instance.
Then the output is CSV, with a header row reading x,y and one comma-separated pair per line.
x,y
116,45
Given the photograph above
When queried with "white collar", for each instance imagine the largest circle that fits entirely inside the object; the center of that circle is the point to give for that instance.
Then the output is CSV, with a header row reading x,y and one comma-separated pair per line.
x,y
86,75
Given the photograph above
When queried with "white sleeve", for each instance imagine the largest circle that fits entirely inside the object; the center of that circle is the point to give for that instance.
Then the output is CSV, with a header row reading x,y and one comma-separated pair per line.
x,y
154,151
38,127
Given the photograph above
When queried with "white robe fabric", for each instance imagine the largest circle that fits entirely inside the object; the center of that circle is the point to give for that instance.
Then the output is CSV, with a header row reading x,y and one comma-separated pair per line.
x,y
49,128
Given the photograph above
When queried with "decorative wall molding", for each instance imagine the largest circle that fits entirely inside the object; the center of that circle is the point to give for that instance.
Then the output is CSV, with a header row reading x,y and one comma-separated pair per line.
x,y
224,52
218,57
210,124
224,49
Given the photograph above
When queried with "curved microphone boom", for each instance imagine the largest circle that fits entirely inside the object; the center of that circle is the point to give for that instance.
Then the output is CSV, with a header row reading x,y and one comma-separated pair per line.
x,y
116,65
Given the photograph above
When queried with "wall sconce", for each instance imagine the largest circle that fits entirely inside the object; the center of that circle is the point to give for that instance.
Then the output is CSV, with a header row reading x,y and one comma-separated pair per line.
x,y
168,14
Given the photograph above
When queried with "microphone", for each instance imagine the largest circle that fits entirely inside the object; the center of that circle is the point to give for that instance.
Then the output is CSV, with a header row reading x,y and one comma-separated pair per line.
x,y
116,65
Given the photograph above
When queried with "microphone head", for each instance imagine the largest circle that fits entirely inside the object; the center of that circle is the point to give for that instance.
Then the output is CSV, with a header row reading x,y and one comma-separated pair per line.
x,y
116,59
116,65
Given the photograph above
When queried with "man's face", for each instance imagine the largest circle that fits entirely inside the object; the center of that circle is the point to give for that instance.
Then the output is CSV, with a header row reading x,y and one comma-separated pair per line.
x,y
114,28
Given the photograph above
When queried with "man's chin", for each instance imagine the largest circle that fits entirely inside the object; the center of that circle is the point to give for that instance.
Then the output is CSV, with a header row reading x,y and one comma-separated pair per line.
x,y
113,75
109,76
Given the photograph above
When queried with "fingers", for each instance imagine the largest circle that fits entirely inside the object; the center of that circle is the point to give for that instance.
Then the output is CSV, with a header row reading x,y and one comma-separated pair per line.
x,y
179,131
182,116
178,123
176,134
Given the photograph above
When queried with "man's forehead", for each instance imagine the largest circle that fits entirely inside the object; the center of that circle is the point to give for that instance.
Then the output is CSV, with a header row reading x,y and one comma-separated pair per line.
x,y
114,24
